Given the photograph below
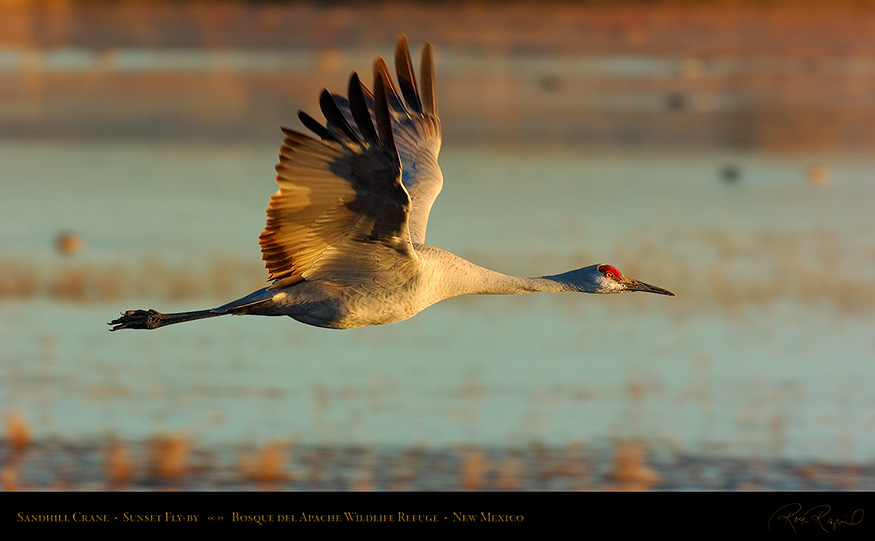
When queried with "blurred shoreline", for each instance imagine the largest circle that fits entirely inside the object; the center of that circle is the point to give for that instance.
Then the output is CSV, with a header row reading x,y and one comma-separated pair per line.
x,y
738,75
171,462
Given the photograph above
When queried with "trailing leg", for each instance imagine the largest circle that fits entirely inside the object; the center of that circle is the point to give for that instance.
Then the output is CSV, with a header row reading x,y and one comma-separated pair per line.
x,y
150,319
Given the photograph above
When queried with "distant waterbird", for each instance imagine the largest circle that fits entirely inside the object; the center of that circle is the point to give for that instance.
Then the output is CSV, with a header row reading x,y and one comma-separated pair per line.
x,y
344,243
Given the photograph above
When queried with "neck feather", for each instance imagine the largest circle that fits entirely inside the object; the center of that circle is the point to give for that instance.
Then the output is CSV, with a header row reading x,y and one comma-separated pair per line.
x,y
454,276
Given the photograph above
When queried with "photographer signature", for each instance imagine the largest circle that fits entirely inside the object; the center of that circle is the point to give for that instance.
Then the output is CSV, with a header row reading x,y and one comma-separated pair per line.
x,y
791,515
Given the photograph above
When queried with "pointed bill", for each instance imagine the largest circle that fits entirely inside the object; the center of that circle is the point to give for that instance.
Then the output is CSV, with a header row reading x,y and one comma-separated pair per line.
x,y
636,285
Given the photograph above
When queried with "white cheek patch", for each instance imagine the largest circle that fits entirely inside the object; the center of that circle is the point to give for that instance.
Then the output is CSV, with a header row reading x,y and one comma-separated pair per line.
x,y
606,285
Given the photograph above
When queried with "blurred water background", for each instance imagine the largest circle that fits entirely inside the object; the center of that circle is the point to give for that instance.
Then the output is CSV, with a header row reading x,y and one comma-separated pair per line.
x,y
721,151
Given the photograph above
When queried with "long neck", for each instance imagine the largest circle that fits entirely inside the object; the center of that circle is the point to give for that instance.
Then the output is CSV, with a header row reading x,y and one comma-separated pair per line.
x,y
487,282
456,276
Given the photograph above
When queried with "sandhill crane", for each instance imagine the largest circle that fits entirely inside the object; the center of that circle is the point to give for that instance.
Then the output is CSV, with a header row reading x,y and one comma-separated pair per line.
x,y
344,244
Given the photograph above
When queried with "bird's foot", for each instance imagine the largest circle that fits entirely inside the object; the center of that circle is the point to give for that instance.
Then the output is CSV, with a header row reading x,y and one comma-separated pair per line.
x,y
138,319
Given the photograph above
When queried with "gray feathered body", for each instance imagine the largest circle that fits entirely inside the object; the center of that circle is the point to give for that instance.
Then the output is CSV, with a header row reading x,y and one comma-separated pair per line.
x,y
393,296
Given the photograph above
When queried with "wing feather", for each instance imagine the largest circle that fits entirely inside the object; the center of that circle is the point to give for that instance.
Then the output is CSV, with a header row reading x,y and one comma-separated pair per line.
x,y
429,92
418,136
416,129
351,203
404,71
358,106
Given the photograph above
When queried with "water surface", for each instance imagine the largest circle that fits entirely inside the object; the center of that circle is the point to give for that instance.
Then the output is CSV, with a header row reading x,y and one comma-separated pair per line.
x,y
766,351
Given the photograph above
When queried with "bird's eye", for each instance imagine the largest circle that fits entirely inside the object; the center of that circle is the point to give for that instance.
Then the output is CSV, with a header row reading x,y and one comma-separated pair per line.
x,y
611,273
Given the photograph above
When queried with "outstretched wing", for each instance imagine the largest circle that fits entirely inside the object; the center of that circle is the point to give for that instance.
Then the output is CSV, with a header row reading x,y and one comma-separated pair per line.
x,y
417,135
416,129
351,203
341,213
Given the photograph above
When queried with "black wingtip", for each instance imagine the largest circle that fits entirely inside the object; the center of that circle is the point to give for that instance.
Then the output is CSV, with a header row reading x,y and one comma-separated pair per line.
x,y
335,117
314,126
381,111
358,106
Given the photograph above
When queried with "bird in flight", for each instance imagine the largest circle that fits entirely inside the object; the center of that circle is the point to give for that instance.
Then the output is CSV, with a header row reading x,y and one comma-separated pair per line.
x,y
344,243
